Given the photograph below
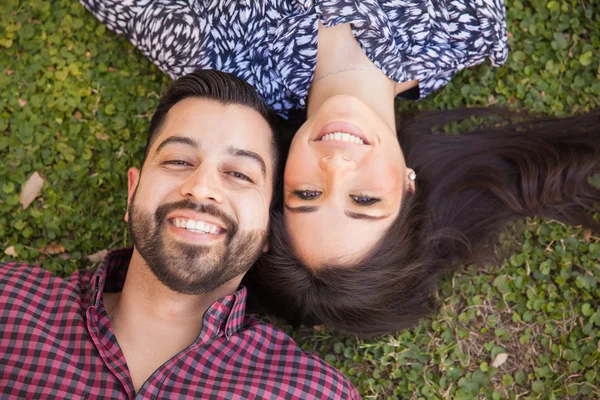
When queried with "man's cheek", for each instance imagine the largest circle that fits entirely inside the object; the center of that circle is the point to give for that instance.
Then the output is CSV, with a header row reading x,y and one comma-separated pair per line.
x,y
246,218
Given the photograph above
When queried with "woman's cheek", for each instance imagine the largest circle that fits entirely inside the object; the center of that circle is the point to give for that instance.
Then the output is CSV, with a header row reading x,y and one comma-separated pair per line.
x,y
385,175
294,167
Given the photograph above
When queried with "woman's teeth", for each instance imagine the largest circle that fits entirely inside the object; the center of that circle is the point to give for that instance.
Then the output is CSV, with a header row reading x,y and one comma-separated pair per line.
x,y
196,226
343,137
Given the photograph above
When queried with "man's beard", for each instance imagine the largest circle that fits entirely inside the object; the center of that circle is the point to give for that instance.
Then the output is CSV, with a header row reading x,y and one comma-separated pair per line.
x,y
186,268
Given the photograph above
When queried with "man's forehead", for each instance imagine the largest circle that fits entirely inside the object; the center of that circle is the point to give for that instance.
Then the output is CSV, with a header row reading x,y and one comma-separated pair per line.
x,y
212,123
204,115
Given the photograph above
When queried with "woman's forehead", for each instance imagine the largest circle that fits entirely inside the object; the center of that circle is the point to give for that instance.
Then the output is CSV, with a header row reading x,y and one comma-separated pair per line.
x,y
323,237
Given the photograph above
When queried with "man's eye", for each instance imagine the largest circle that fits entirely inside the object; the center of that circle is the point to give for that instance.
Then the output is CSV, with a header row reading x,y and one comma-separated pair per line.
x,y
307,194
241,176
177,163
363,200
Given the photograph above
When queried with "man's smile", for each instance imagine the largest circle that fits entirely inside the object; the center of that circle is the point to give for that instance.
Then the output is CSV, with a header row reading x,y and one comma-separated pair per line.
x,y
195,230
193,226
197,226
198,221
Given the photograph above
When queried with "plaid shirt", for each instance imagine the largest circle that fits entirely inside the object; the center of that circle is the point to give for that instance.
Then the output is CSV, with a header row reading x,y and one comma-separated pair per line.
x,y
56,341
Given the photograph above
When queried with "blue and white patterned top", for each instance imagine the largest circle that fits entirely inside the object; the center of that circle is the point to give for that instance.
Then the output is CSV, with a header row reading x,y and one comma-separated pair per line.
x,y
272,44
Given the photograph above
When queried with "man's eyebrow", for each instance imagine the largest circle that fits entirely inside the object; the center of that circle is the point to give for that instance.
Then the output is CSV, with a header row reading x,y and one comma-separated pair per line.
x,y
302,209
177,139
234,151
364,216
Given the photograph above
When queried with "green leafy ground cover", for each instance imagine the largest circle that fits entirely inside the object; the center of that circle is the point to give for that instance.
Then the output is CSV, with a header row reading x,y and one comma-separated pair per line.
x,y
75,102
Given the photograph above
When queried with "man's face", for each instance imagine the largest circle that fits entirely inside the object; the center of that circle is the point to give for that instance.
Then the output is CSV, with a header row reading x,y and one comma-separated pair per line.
x,y
199,209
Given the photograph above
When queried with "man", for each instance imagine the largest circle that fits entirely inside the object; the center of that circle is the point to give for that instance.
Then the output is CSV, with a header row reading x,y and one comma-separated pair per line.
x,y
166,319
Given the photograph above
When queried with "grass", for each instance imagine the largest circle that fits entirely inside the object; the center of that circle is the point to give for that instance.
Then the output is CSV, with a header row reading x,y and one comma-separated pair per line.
x,y
75,102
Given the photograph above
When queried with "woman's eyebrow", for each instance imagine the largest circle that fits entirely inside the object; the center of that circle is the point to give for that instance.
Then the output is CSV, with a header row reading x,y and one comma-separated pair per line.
x,y
366,217
302,209
353,215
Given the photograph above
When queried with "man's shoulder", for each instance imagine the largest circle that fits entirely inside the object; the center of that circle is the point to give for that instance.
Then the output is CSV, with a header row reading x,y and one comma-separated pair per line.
x,y
311,373
21,274
17,279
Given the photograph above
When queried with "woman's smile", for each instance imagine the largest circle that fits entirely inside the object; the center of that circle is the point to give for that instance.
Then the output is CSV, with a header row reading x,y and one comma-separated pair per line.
x,y
342,131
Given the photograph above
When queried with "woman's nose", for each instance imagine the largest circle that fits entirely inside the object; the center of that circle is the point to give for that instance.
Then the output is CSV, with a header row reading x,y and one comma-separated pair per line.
x,y
337,163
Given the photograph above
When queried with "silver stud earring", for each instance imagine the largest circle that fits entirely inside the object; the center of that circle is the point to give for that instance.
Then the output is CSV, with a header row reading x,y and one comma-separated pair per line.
x,y
412,176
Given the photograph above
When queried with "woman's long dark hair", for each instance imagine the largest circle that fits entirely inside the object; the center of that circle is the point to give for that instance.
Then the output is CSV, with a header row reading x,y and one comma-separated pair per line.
x,y
469,186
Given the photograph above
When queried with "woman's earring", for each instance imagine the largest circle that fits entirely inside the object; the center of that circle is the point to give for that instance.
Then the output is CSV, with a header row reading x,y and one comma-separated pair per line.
x,y
412,176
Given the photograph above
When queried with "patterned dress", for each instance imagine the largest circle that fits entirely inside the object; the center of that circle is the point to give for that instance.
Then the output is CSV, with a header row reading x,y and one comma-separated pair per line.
x,y
272,44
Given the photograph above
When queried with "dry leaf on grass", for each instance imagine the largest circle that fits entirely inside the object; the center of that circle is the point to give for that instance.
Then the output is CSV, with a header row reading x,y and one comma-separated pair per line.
x,y
52,249
587,234
10,251
102,136
31,189
499,360
97,256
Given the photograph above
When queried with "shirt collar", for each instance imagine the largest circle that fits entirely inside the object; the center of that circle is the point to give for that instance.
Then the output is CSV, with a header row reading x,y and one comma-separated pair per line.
x,y
224,316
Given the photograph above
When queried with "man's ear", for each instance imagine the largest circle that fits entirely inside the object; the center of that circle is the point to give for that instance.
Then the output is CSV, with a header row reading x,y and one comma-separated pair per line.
x,y
133,178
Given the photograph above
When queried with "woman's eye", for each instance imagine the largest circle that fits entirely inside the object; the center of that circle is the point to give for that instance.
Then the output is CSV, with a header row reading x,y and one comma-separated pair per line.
x,y
239,175
363,200
307,194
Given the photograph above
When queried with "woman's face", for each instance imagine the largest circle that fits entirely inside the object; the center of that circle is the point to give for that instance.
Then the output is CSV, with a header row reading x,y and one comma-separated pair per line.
x,y
343,184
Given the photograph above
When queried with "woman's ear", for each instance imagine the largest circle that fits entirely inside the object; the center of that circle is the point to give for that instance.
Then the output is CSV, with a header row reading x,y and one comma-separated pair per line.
x,y
411,180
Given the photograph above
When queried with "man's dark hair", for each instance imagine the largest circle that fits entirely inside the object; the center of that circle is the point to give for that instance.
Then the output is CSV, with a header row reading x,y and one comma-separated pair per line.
x,y
222,87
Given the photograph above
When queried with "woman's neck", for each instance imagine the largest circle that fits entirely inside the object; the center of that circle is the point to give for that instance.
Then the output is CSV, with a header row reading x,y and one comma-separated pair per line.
x,y
343,68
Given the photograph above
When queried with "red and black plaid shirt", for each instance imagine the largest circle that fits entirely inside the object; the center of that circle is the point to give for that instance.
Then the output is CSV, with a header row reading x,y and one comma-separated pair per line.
x,y
56,341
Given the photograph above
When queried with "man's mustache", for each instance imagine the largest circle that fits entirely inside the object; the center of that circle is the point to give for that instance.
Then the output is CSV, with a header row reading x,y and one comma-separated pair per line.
x,y
165,209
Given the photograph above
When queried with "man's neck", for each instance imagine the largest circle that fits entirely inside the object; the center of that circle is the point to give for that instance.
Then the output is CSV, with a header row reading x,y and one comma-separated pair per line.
x,y
151,322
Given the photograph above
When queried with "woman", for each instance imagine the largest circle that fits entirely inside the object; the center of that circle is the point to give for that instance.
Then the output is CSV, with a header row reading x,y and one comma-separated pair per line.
x,y
361,239
469,187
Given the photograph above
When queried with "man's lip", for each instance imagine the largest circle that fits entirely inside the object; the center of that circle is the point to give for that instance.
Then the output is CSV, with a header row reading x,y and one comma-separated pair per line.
x,y
194,236
197,217
342,126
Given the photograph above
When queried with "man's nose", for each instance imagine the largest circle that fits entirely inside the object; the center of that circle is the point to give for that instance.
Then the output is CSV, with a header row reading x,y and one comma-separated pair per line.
x,y
337,163
203,184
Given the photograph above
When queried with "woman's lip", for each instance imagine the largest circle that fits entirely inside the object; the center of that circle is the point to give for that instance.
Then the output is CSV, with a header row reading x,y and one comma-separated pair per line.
x,y
342,126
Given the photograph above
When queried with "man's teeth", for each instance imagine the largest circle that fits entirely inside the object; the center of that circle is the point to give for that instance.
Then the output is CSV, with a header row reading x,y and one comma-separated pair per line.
x,y
344,137
196,226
